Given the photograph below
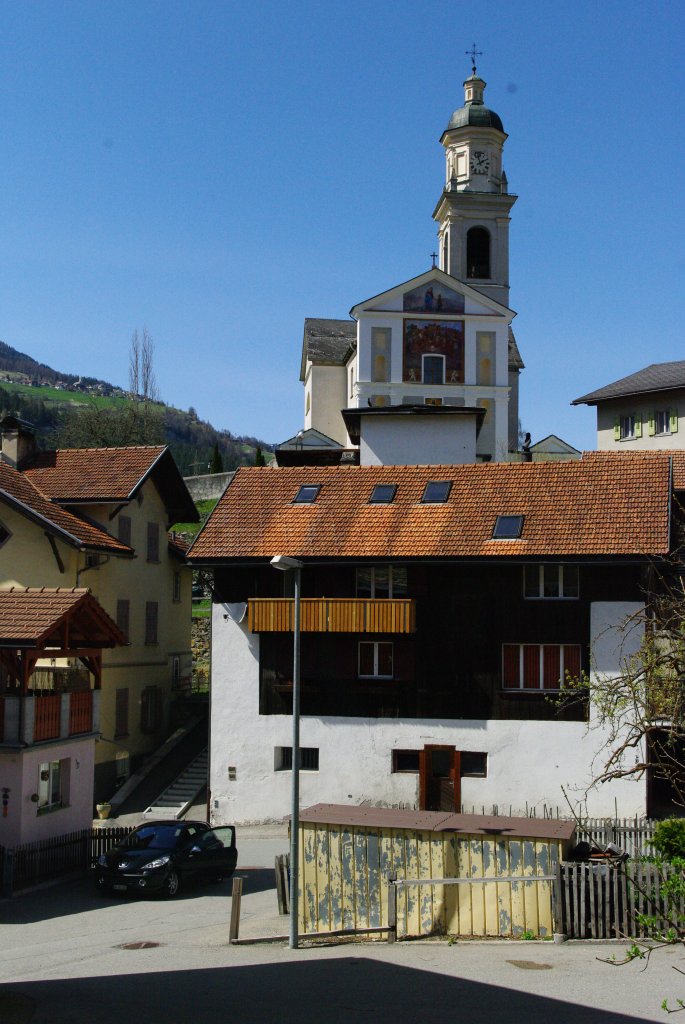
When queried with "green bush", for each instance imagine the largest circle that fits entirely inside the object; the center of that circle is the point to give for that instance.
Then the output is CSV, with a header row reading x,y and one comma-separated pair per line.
x,y
669,839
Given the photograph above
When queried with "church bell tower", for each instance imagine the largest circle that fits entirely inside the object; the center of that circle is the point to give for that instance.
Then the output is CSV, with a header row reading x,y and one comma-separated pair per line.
x,y
473,210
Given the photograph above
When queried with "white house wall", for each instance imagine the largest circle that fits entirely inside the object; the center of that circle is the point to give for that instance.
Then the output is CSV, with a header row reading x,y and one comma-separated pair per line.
x,y
408,441
528,761
327,386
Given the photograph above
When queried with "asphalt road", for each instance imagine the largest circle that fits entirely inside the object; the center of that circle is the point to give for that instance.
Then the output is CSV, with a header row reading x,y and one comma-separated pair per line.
x,y
69,956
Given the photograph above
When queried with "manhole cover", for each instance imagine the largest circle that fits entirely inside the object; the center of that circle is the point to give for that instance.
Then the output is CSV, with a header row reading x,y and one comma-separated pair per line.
x,y
530,965
139,945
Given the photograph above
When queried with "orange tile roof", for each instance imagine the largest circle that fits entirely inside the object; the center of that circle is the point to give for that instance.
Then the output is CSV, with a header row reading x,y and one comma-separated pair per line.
x,y
84,474
19,491
595,506
677,459
30,616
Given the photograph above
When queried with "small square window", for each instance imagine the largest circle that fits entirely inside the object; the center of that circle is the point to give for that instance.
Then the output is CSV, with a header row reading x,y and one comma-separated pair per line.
x,y
383,494
662,421
508,527
405,761
437,491
474,765
307,494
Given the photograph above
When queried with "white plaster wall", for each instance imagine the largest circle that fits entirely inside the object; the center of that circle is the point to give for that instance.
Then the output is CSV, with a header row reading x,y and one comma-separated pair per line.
x,y
328,396
417,440
23,824
528,762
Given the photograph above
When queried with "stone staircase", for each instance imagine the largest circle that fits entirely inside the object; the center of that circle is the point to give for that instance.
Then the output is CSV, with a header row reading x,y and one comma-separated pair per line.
x,y
181,794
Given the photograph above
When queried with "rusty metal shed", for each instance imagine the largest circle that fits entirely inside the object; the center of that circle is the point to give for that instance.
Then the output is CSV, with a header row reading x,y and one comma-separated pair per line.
x,y
505,866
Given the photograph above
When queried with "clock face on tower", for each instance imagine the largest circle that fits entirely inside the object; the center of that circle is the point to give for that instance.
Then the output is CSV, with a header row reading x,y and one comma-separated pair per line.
x,y
480,162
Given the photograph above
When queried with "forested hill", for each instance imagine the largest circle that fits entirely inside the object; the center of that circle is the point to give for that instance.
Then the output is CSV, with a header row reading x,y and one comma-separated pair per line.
x,y
69,411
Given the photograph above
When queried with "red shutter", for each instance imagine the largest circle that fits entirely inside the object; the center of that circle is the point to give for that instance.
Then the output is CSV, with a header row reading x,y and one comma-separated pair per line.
x,y
385,659
531,666
510,667
551,660
572,660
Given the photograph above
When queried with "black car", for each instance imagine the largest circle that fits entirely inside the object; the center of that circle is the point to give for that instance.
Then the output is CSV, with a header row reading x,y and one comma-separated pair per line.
x,y
160,856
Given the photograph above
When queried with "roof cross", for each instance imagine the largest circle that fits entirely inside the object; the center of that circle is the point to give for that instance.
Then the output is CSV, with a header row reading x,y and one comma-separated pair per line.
x,y
473,53
434,257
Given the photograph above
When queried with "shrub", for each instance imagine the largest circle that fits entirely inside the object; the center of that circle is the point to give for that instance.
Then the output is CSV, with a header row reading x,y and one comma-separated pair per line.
x,y
669,839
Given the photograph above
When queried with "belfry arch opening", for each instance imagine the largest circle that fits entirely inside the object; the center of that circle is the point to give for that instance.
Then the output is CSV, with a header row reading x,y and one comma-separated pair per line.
x,y
478,252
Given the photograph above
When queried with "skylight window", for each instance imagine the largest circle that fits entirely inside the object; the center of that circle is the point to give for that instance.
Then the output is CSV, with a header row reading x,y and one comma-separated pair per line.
x,y
508,527
383,494
307,494
437,492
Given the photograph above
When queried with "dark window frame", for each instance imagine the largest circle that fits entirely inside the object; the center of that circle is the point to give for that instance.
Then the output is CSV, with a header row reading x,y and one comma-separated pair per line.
x,y
151,623
153,542
301,498
375,498
500,531
442,496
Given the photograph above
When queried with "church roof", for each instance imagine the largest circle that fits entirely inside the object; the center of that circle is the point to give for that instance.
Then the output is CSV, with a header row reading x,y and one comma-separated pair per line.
x,y
327,342
655,377
475,115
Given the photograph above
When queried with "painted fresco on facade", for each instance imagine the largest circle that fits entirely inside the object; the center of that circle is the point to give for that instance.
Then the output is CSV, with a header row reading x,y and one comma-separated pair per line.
x,y
432,298
431,337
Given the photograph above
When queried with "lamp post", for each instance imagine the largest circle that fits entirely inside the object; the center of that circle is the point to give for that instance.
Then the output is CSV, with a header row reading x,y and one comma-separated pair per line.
x,y
287,564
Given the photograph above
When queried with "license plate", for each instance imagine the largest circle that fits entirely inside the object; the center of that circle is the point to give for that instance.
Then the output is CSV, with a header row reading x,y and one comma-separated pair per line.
x,y
120,887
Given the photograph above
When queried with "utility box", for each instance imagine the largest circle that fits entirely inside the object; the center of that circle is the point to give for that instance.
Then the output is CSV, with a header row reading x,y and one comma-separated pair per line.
x,y
347,852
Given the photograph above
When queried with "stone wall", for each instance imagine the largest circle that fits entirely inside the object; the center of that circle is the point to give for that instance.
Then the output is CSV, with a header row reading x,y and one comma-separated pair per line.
x,y
210,485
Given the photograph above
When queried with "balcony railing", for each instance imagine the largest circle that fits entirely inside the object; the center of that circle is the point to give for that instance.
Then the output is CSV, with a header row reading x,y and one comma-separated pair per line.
x,y
37,718
332,615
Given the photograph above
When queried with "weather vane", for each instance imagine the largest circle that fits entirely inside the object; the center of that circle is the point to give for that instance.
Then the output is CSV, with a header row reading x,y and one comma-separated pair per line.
x,y
473,53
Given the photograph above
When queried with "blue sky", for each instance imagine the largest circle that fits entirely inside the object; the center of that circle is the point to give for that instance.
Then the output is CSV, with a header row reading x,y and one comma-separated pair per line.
x,y
217,172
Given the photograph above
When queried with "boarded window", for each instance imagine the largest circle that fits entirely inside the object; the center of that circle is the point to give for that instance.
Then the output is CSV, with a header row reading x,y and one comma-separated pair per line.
x,y
124,616
121,712
151,615
151,709
125,530
153,542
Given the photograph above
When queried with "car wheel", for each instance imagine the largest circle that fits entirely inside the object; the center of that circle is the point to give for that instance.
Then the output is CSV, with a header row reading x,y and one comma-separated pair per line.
x,y
173,883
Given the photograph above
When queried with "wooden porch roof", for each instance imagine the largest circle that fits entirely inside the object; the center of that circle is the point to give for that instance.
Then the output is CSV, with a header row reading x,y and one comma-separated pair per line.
x,y
65,618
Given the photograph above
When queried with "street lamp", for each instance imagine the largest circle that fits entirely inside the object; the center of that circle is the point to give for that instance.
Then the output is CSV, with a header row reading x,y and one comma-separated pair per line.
x,y
287,564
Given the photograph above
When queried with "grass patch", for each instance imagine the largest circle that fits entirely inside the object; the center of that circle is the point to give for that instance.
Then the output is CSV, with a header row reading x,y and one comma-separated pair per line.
x,y
202,608
204,508
66,398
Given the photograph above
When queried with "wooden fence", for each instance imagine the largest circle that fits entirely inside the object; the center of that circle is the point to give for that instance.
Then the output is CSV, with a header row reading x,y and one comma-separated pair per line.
x,y
45,859
633,835
604,901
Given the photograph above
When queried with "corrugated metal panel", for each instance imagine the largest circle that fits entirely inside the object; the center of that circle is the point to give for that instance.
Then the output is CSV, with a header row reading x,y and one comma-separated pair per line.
x,y
344,869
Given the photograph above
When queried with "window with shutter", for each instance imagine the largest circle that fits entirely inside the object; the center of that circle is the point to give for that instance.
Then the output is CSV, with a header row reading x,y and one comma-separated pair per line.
x,y
531,667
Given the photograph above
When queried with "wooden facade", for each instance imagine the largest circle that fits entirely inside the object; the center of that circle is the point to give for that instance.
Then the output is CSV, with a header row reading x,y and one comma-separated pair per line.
x,y
449,636
332,615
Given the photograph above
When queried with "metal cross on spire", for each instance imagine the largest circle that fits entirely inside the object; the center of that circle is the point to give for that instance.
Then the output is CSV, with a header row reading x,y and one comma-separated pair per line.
x,y
434,257
473,53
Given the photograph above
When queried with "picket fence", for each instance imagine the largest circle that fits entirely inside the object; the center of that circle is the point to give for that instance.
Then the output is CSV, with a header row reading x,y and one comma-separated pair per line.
x,y
32,863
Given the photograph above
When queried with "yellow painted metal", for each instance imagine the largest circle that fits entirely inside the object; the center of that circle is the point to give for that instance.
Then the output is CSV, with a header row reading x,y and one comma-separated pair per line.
x,y
332,615
344,869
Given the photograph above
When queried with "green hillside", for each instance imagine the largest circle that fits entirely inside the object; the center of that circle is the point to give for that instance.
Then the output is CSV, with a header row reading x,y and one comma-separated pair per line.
x,y
65,417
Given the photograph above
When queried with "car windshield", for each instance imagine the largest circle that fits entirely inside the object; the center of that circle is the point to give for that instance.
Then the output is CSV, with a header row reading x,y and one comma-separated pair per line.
x,y
155,837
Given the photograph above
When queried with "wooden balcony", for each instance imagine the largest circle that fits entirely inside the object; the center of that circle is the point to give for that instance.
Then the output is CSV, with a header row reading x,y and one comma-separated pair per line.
x,y
332,615
81,712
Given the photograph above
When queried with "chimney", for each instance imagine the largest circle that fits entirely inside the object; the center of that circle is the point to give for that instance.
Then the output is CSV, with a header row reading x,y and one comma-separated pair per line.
x,y
18,441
